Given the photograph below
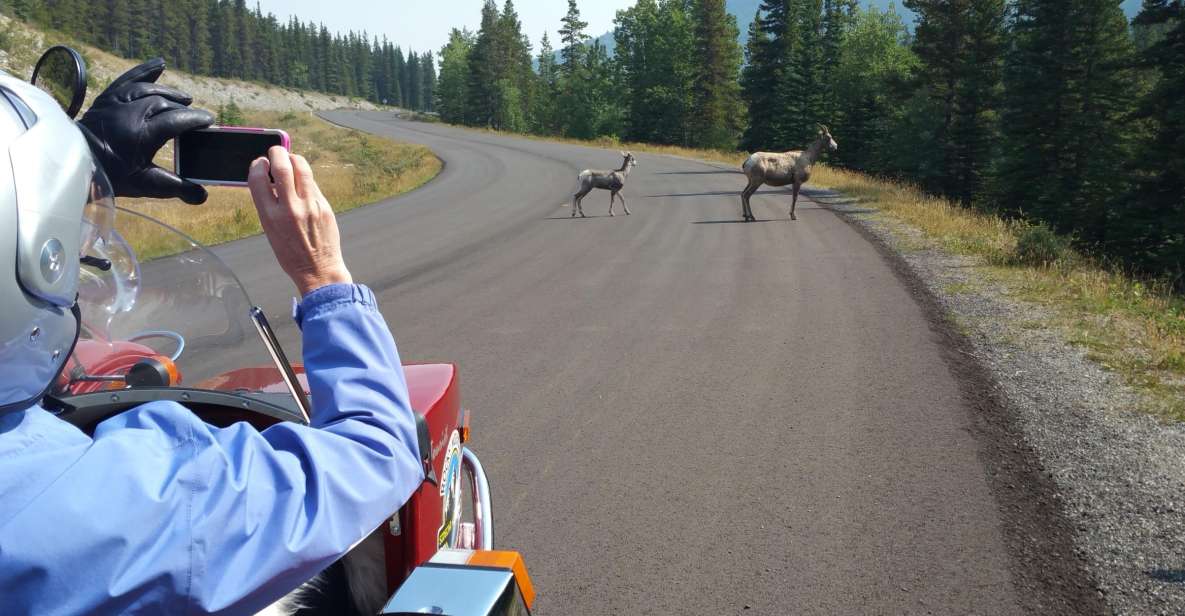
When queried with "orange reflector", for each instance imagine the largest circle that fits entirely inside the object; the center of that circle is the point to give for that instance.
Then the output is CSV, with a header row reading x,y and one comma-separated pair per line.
x,y
508,560
465,428
171,367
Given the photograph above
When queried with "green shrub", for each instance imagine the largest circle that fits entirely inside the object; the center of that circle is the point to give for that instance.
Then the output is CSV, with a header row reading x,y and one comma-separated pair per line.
x,y
8,37
230,115
1038,245
291,119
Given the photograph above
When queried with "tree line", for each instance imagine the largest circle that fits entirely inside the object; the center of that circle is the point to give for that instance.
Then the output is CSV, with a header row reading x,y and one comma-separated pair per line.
x,y
672,79
1061,112
225,38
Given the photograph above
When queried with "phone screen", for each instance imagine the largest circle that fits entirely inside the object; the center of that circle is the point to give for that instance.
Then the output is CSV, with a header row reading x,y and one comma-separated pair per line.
x,y
221,156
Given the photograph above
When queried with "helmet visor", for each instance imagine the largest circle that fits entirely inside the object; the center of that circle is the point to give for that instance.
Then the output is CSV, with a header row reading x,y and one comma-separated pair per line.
x,y
102,294
98,218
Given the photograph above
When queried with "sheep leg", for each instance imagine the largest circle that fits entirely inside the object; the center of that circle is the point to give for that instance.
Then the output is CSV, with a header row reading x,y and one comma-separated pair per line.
x,y
578,203
745,202
794,203
623,205
746,206
612,198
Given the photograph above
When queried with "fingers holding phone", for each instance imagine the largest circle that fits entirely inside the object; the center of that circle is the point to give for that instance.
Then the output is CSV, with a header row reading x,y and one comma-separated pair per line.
x,y
299,223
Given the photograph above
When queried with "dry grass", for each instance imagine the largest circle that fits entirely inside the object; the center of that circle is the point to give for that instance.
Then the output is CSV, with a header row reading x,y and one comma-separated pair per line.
x,y
352,169
1132,327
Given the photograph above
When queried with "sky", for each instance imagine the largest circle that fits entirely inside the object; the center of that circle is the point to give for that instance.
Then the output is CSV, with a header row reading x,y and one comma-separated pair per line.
x,y
424,25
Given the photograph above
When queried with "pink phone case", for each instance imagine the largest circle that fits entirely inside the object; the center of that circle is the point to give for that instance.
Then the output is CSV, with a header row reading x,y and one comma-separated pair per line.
x,y
285,142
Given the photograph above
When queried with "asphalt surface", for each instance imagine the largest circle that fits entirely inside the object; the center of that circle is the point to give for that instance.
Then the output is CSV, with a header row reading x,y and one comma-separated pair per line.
x,y
681,413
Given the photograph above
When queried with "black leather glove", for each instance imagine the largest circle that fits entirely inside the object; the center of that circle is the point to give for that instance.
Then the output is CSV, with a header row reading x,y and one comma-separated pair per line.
x,y
130,121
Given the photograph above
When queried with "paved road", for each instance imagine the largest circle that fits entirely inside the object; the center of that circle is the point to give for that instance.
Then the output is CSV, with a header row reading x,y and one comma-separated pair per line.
x,y
681,414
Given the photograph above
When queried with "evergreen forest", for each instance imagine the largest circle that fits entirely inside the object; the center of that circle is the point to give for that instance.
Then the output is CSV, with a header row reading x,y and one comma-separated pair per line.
x,y
1062,112
225,38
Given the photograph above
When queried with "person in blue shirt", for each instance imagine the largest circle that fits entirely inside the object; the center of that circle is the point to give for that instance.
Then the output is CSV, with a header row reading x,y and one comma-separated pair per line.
x,y
158,512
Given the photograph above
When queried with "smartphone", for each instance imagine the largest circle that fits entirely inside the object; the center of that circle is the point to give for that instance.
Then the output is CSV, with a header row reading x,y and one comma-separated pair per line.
x,y
222,155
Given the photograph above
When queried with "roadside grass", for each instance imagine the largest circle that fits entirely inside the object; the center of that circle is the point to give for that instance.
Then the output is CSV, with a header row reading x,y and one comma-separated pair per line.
x,y
352,169
1132,327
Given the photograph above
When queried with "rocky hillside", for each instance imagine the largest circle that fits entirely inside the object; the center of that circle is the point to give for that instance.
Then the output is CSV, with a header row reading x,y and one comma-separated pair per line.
x,y
21,45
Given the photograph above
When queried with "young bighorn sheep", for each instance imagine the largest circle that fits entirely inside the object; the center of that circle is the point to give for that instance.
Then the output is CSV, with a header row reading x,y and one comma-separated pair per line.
x,y
792,167
612,181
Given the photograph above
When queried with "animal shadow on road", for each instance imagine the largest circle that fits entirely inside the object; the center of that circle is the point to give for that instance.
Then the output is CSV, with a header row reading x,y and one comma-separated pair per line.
x,y
735,222
718,172
722,193
1170,576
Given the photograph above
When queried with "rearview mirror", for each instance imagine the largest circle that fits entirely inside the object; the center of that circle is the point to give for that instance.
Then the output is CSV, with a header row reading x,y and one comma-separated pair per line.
x,y
61,73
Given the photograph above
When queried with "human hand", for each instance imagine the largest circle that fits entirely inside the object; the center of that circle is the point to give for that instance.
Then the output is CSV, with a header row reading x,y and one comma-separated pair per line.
x,y
298,221
128,124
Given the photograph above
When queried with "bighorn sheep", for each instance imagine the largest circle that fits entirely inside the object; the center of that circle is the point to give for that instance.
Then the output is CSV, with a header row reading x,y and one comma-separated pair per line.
x,y
792,167
612,181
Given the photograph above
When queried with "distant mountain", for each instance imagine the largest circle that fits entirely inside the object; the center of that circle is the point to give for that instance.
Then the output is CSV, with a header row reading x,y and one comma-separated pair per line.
x,y
744,10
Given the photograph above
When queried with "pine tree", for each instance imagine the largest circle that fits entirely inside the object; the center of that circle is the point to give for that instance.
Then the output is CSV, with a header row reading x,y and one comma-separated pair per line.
x,y
873,86
960,44
1150,234
591,97
572,38
1067,89
26,9
172,38
776,80
402,86
452,86
415,96
757,86
200,54
241,17
514,75
655,51
114,27
429,75
230,115
483,74
139,25
808,87
717,115
839,17
543,116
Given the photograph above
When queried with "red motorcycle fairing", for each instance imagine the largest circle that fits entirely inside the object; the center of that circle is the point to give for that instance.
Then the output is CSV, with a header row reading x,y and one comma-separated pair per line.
x,y
425,524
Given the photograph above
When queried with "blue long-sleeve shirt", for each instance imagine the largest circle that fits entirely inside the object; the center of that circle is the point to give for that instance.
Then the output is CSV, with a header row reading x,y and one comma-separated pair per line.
x,y
162,513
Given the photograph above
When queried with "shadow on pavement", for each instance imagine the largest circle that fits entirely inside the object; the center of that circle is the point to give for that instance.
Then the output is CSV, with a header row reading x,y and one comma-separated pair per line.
x,y
1171,576
720,172
734,222
722,193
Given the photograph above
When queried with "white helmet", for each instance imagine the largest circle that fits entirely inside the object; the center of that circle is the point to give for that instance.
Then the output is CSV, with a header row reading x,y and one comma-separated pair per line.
x,y
55,204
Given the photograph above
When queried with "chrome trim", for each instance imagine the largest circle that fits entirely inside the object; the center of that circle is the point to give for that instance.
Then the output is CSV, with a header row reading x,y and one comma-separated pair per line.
x,y
278,358
482,505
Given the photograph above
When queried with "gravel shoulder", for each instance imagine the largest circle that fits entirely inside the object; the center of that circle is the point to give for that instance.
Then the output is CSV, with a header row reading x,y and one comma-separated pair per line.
x,y
1063,437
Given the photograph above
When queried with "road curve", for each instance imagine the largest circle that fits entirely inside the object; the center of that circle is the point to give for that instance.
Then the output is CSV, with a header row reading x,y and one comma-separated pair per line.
x,y
681,414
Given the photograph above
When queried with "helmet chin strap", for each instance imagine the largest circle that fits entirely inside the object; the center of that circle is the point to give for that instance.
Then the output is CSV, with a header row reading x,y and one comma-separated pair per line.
x,y
44,395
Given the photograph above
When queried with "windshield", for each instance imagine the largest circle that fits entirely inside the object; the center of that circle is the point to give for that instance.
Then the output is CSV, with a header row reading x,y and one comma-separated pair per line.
x,y
181,321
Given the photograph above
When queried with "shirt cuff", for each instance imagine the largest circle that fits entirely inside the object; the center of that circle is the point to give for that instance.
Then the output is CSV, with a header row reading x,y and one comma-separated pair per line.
x,y
330,298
